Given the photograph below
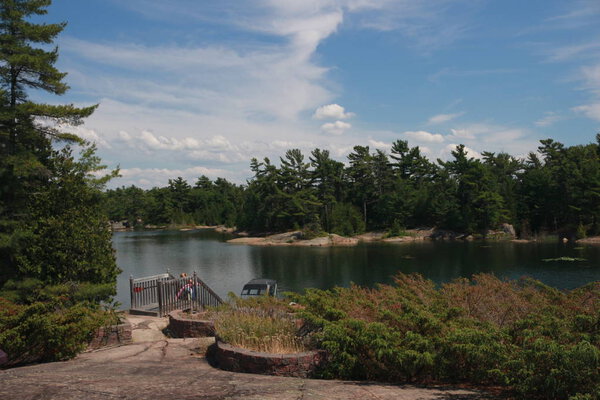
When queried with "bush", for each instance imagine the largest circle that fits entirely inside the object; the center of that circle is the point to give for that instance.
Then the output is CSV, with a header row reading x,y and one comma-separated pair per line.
x,y
47,331
535,340
581,231
32,290
346,220
396,230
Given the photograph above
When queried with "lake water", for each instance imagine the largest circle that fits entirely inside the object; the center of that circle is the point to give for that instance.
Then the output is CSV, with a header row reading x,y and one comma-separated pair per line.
x,y
226,267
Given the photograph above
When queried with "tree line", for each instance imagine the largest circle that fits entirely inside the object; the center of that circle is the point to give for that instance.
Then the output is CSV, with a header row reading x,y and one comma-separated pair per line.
x,y
556,189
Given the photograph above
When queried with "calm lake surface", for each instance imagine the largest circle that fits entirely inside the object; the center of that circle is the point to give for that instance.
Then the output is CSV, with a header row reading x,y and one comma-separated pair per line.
x,y
226,267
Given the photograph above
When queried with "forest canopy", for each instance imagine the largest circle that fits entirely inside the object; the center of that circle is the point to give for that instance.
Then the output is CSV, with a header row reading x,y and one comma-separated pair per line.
x,y
556,189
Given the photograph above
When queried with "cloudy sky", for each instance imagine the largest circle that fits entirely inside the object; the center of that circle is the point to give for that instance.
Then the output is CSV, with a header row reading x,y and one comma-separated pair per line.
x,y
193,87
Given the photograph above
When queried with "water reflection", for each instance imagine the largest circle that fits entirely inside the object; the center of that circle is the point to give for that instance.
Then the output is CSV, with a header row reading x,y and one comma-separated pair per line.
x,y
227,267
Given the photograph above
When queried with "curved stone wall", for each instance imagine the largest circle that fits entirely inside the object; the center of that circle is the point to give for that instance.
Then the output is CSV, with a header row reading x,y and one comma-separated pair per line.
x,y
235,359
182,327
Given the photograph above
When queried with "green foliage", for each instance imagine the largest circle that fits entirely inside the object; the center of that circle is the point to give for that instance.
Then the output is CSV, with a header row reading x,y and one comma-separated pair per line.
x,y
66,236
581,231
396,230
52,227
55,246
51,330
346,220
537,341
207,203
312,230
555,193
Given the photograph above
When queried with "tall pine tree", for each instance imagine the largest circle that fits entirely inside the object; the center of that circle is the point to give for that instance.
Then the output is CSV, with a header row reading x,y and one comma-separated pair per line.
x,y
45,190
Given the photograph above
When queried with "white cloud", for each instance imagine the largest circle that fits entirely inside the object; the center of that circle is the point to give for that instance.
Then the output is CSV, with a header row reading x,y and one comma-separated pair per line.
x,y
549,119
462,133
340,150
577,13
216,148
336,128
452,147
275,81
569,53
224,102
423,136
441,118
380,145
590,110
332,111
150,177
591,76
90,135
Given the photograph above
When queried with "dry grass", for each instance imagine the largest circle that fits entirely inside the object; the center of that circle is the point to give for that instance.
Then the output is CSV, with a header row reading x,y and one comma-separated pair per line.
x,y
259,330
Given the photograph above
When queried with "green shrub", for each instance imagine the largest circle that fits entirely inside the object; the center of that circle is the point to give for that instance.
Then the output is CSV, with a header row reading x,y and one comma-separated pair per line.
x,y
535,340
346,220
581,231
47,331
396,230
32,290
546,369
313,230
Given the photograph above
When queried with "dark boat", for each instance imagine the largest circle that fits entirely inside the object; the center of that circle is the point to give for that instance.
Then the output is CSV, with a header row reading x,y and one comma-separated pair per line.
x,y
260,287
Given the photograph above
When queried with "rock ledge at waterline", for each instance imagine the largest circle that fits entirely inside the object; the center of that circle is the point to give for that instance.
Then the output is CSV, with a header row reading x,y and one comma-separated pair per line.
x,y
295,239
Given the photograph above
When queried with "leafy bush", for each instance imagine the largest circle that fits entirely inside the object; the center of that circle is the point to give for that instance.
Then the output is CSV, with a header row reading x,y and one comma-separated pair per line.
x,y
47,331
540,342
581,232
396,230
346,220
313,230
31,290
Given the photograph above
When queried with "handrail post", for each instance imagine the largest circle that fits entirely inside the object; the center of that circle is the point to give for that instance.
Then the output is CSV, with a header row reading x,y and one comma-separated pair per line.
x,y
159,294
194,293
131,295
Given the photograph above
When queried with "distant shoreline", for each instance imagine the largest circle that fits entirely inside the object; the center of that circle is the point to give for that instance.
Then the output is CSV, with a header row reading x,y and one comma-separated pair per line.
x,y
295,238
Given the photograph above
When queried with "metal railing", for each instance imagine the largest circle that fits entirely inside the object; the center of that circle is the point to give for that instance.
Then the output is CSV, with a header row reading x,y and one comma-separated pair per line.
x,y
185,293
165,293
144,291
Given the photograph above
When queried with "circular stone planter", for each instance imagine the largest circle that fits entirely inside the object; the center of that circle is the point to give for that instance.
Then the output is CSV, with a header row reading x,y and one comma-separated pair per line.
x,y
181,326
235,359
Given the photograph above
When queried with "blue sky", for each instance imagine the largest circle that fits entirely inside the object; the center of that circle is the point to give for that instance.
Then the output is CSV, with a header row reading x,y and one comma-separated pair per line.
x,y
190,87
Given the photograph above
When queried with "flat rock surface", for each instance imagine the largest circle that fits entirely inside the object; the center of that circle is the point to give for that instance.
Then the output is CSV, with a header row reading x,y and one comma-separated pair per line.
x,y
173,369
176,369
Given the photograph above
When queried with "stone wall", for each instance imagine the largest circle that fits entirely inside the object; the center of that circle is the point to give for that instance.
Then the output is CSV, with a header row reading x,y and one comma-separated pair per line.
x,y
114,335
182,327
300,365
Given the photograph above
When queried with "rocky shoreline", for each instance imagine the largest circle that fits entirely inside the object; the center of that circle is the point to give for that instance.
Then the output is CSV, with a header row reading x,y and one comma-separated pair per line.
x,y
296,238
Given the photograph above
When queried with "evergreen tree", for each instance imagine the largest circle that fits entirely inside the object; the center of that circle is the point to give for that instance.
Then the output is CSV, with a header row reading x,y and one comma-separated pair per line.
x,y
328,179
361,175
34,204
298,199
